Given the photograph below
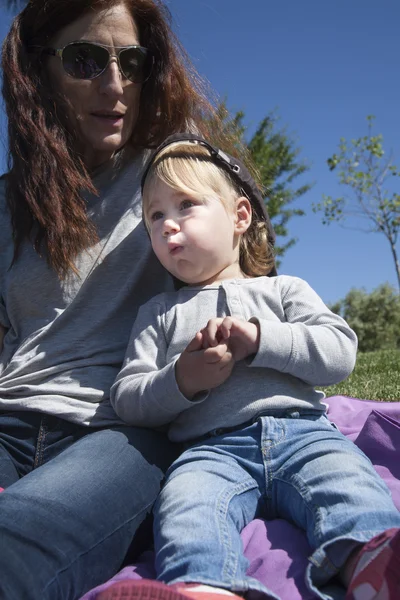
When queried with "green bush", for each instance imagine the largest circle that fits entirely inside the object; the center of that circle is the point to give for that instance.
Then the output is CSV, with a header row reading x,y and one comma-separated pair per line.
x,y
376,377
375,317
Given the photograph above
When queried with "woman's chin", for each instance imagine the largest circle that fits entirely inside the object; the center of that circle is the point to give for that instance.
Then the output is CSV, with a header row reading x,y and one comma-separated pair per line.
x,y
100,151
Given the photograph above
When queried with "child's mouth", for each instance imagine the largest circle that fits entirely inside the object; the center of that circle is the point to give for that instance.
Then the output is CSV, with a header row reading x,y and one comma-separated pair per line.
x,y
175,250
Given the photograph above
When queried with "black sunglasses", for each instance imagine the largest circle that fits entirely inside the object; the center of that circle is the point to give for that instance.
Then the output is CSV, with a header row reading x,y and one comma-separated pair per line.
x,y
88,60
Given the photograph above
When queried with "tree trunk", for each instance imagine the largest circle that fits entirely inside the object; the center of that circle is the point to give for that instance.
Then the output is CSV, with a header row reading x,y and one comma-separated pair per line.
x,y
396,261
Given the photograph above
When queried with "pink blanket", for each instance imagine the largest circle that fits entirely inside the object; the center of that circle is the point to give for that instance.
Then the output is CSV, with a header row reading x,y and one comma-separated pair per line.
x,y
277,550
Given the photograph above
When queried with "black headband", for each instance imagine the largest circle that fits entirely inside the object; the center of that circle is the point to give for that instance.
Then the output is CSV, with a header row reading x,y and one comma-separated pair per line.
x,y
235,168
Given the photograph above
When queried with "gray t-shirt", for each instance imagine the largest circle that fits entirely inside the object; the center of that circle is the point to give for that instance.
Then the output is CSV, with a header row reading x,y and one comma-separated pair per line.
x,y
65,340
302,345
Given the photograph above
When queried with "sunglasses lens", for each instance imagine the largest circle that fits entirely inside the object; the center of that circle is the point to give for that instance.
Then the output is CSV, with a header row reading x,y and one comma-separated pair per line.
x,y
135,64
84,61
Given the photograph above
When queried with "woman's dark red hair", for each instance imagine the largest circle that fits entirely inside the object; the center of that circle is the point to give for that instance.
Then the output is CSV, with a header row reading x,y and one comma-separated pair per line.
x,y
46,173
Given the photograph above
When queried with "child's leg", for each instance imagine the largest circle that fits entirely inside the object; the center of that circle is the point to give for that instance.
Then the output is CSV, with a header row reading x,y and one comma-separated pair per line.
x,y
329,488
374,572
207,500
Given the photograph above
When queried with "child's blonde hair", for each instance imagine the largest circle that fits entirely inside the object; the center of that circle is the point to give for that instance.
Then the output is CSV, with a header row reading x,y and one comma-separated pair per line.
x,y
189,168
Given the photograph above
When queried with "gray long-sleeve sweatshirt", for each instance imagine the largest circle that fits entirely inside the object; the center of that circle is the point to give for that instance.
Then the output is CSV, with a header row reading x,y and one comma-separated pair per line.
x,y
65,340
302,345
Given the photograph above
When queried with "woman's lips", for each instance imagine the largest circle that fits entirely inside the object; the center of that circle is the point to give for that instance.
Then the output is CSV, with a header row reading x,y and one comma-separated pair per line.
x,y
109,118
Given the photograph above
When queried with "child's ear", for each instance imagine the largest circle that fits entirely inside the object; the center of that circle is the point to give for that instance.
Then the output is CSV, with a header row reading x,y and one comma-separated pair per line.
x,y
243,215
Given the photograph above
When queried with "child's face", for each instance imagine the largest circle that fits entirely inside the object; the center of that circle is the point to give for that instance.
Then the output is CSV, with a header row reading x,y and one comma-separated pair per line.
x,y
195,240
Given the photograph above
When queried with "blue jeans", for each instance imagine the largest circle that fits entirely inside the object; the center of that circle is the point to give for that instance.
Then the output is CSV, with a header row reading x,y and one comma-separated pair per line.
x,y
300,468
74,498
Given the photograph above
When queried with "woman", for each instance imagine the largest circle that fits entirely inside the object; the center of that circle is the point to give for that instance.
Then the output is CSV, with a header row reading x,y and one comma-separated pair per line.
x,y
88,86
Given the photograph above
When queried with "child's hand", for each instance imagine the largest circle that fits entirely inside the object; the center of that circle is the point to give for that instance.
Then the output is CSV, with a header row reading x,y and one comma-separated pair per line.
x,y
242,337
201,368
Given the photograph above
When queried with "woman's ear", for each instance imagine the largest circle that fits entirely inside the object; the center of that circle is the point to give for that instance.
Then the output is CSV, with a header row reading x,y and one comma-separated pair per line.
x,y
243,215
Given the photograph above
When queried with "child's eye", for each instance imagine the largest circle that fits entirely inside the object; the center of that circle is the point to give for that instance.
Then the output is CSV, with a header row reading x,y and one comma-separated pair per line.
x,y
156,216
187,204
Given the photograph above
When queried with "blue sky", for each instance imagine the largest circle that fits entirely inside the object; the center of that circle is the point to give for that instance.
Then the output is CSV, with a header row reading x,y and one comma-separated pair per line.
x,y
324,66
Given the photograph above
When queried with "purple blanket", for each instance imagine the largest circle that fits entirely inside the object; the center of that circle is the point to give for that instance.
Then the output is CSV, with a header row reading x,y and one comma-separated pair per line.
x,y
277,550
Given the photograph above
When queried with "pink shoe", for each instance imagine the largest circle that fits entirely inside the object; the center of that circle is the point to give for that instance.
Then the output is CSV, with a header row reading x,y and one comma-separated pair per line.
x,y
148,589
377,573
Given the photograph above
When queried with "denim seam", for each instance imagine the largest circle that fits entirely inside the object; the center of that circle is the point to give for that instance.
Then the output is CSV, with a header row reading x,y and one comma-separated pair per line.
x,y
40,444
266,447
77,558
271,443
230,566
268,479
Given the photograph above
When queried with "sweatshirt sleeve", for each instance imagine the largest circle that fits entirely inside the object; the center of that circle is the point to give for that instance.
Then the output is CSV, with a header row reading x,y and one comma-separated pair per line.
x,y
145,392
312,343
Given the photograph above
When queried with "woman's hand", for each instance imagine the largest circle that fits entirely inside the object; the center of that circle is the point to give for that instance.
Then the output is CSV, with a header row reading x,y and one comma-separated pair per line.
x,y
242,337
202,368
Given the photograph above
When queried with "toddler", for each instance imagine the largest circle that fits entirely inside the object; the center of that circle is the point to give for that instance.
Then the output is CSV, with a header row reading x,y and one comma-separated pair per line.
x,y
229,363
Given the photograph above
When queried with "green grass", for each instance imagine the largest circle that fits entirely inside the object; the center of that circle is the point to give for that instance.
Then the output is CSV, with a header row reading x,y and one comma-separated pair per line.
x,y
376,377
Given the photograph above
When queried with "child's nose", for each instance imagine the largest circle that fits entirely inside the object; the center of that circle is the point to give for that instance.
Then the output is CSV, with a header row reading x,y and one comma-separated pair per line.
x,y
170,226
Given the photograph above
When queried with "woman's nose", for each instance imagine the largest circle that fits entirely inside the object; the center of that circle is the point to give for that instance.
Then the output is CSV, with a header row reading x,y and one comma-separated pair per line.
x,y
111,79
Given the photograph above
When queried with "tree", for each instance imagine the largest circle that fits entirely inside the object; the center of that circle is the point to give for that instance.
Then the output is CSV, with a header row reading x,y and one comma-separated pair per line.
x,y
364,168
375,317
273,158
